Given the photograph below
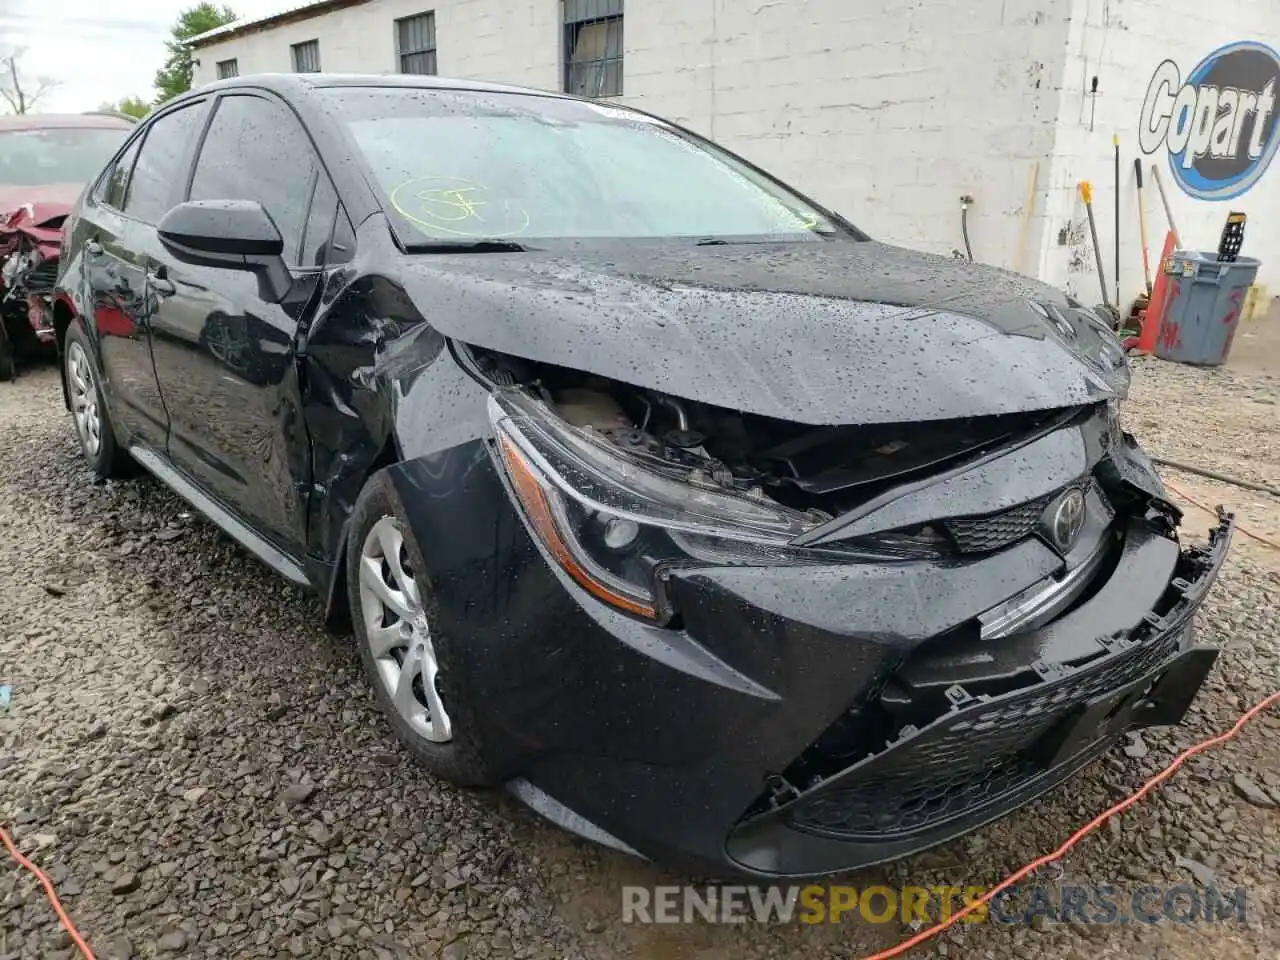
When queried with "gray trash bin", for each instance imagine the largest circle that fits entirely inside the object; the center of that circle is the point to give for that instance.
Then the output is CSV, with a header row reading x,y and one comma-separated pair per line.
x,y
1203,311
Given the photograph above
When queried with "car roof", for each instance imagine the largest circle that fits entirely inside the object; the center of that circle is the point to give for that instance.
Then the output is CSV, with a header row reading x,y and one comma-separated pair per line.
x,y
286,83
47,121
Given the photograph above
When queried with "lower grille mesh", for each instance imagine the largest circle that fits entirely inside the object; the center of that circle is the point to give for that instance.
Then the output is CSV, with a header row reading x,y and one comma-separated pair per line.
x,y
952,768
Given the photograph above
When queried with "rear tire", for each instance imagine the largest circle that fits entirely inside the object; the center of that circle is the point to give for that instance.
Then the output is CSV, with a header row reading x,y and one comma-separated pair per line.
x,y
408,663
93,423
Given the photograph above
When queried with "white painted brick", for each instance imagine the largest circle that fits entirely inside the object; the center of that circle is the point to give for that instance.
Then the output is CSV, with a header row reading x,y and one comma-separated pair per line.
x,y
887,112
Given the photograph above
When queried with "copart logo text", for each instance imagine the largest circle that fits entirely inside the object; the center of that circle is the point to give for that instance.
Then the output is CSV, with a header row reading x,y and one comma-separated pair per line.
x,y
1220,124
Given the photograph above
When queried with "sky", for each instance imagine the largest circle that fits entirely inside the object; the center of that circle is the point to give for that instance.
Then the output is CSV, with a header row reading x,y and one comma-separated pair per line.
x,y
95,55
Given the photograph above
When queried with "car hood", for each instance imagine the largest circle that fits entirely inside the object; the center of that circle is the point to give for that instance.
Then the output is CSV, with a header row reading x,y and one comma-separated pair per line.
x,y
820,333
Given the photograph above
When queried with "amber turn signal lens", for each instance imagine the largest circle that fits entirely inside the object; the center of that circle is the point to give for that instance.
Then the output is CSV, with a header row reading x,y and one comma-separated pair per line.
x,y
534,500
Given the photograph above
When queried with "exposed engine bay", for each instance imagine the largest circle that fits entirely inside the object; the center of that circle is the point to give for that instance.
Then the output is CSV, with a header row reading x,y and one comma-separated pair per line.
x,y
821,470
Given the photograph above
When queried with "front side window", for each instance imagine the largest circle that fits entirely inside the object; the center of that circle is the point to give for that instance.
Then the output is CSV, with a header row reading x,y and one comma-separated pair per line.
x,y
593,48
156,180
71,156
256,149
317,233
457,164
416,43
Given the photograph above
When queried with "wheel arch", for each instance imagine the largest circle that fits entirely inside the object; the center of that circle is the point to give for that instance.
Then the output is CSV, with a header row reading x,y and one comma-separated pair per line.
x,y
64,314
337,607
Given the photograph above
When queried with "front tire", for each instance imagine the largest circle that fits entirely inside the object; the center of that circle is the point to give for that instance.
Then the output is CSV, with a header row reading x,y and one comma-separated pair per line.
x,y
8,362
93,424
407,662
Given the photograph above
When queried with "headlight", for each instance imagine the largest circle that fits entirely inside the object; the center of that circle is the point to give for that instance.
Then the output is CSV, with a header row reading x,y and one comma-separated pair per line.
x,y
612,520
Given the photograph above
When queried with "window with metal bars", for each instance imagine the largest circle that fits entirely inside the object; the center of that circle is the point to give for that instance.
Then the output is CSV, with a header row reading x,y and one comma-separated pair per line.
x,y
416,43
593,47
306,57
228,68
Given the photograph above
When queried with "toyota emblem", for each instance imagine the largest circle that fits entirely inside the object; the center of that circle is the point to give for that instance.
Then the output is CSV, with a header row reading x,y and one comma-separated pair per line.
x,y
1066,519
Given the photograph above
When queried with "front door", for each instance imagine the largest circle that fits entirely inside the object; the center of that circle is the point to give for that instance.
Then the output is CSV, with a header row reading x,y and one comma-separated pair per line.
x,y
225,359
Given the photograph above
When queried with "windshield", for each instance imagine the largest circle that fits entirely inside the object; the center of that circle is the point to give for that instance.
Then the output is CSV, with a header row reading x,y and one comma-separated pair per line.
x,y
37,158
458,165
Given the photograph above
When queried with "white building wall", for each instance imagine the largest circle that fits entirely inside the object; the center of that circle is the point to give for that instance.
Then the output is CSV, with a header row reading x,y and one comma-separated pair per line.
x,y
888,117
513,41
1122,42
886,112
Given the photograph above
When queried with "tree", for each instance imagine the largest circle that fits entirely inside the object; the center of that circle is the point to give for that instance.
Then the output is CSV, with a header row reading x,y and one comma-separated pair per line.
x,y
130,106
175,76
19,93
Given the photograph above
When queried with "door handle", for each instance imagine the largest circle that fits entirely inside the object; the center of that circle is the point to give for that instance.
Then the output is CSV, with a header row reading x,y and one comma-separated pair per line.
x,y
92,247
161,284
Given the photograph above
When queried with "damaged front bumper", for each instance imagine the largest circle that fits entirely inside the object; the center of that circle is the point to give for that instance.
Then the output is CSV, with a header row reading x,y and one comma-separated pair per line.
x,y
799,720
1067,692
988,754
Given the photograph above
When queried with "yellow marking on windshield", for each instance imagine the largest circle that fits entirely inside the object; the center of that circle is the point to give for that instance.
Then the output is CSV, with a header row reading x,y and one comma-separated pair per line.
x,y
462,208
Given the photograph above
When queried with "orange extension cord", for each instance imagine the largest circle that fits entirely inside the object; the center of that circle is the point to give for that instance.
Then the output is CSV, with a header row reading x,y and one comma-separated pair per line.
x,y
65,920
1084,831
901,948
1248,533
924,935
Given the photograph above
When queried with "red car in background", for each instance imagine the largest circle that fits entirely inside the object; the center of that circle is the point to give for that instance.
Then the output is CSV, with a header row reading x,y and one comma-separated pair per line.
x,y
45,162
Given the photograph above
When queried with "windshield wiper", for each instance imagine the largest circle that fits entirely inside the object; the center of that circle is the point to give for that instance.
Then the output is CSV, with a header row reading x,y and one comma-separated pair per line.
x,y
762,241
490,245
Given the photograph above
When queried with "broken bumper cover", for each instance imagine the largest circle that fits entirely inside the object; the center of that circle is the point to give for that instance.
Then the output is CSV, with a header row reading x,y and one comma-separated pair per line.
x,y
981,759
990,754
664,741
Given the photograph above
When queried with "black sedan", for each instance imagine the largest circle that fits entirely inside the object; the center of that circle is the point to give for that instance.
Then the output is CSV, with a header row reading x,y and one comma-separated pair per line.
x,y
650,489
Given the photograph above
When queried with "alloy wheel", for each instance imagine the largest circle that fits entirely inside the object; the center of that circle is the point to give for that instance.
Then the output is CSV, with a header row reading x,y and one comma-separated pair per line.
x,y
398,633
84,399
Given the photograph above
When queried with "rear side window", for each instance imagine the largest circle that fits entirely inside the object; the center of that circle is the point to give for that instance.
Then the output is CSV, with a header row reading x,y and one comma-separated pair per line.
x,y
256,149
117,184
156,182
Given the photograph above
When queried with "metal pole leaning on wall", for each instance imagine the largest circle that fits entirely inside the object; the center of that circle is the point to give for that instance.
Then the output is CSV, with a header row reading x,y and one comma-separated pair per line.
x,y
1168,212
1115,140
1086,194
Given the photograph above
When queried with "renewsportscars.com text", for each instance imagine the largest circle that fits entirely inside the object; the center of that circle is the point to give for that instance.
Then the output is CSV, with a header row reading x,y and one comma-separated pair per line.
x,y
814,903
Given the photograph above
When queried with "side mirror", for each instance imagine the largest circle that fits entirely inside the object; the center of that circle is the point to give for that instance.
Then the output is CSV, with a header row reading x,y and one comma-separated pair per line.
x,y
231,234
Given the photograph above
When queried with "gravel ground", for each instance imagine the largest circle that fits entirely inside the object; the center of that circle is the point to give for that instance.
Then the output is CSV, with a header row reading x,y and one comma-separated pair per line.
x,y
202,770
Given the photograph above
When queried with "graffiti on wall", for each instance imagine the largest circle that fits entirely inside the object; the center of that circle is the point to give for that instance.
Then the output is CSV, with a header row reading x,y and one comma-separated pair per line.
x,y
1219,125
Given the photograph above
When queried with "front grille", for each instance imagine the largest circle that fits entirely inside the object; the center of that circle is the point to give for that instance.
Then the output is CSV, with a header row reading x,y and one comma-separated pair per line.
x,y
971,758
42,278
997,530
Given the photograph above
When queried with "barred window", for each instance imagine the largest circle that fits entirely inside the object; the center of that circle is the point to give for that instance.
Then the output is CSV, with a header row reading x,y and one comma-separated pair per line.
x,y
416,43
228,68
593,47
306,57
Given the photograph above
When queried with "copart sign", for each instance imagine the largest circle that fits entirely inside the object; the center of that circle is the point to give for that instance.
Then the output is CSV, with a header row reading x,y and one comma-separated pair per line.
x,y
1219,123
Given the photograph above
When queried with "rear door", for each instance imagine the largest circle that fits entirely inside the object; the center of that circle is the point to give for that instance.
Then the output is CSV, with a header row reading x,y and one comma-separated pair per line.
x,y
225,359
119,231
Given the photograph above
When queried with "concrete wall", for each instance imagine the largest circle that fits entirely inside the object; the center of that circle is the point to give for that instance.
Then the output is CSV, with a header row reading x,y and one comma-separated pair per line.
x,y
1121,42
515,41
886,112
